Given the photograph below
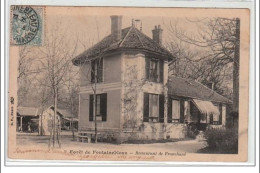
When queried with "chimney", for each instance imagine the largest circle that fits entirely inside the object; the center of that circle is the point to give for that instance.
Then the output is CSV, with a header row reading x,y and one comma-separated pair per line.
x,y
157,34
116,27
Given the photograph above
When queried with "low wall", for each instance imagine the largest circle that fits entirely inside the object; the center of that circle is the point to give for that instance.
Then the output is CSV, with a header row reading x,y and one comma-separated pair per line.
x,y
176,131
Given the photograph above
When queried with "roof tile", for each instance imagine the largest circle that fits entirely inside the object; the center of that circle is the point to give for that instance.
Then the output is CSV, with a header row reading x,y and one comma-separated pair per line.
x,y
132,38
190,88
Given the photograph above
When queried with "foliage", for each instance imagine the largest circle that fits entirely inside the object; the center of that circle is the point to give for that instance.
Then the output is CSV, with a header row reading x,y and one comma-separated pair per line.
x,y
222,140
206,54
131,87
192,130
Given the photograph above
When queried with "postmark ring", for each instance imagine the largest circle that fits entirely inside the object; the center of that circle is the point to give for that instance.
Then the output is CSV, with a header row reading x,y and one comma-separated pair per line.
x,y
25,24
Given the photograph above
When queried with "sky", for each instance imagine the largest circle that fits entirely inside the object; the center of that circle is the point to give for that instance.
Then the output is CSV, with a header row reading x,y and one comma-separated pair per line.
x,y
91,24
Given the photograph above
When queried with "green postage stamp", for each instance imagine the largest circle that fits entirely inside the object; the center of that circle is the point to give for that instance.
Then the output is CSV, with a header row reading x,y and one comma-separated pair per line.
x,y
27,25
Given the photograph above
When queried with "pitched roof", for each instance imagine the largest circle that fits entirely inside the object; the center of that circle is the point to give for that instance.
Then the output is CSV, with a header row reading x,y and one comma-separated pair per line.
x,y
190,88
27,111
132,38
64,113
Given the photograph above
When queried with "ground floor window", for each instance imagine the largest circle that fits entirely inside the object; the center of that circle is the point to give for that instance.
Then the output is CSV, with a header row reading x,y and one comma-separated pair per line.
x,y
100,107
153,108
176,110
216,119
187,115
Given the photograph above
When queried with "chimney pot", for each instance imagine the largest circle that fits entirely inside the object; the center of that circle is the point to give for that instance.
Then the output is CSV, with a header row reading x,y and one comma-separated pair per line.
x,y
116,27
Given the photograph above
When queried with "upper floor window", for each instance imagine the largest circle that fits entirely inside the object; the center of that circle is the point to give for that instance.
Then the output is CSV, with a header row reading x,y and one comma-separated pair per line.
x,y
154,70
97,70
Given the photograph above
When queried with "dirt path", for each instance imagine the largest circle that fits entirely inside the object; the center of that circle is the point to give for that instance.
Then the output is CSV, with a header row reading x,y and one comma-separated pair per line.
x,y
189,146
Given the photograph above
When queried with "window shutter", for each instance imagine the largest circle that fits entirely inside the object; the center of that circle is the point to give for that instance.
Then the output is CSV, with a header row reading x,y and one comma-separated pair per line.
x,y
147,68
146,108
103,106
100,70
220,115
181,111
211,119
93,71
161,108
169,118
91,98
161,71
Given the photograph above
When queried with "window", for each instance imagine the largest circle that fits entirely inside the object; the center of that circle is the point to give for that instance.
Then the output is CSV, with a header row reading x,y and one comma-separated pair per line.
x,y
187,111
97,70
178,110
154,70
217,119
223,117
100,107
175,111
153,108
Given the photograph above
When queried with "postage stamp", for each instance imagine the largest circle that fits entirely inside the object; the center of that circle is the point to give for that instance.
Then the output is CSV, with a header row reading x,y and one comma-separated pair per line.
x,y
27,25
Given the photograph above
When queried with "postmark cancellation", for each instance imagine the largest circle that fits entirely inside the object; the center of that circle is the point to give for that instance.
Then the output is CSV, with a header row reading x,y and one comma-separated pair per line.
x,y
27,25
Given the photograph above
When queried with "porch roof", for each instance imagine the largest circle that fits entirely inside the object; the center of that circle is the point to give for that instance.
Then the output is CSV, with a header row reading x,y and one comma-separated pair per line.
x,y
27,111
64,113
192,89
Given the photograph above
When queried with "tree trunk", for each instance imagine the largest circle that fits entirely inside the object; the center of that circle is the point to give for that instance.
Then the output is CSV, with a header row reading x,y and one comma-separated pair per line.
x,y
41,132
72,128
54,116
94,113
71,121
236,69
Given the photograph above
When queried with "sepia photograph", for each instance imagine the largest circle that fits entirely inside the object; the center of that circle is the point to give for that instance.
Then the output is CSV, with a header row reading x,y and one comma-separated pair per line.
x,y
128,84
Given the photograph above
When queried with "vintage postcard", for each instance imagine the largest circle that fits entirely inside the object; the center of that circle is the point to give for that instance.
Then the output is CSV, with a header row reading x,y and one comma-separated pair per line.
x,y
128,84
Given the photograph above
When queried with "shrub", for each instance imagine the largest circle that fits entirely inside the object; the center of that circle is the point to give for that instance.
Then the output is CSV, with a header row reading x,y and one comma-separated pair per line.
x,y
222,140
192,130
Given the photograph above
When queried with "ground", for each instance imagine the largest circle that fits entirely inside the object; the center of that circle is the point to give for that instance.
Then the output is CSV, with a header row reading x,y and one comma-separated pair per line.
x,y
187,146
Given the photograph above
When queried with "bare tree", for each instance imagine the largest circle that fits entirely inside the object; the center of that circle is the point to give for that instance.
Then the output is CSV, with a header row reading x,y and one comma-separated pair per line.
x,y
218,38
25,71
70,99
91,70
44,95
55,57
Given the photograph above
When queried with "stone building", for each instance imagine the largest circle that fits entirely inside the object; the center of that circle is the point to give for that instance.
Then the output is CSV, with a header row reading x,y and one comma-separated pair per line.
x,y
135,99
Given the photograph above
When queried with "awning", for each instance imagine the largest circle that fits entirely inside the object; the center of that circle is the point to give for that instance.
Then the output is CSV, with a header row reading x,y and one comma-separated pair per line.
x,y
206,107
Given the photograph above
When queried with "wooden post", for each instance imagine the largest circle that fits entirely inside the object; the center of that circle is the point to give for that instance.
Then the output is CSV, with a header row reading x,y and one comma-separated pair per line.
x,y
21,123
72,128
